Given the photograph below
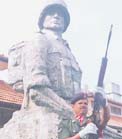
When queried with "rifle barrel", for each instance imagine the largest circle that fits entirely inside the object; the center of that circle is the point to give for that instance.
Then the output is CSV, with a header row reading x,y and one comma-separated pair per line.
x,y
109,37
104,62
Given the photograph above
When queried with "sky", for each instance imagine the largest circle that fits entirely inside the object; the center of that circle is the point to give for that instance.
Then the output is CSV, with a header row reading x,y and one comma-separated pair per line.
x,y
87,33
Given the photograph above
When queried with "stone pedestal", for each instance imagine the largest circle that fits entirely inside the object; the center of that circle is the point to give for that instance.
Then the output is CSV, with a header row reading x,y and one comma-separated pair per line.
x,y
39,123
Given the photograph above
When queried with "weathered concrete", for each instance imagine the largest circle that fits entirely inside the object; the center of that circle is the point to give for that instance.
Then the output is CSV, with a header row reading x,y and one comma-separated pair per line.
x,y
36,123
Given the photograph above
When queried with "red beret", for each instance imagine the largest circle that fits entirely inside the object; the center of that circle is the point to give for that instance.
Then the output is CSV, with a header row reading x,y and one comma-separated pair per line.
x,y
78,96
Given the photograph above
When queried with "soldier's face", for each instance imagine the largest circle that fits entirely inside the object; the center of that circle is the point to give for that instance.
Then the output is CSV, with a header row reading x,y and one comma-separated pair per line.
x,y
80,107
54,20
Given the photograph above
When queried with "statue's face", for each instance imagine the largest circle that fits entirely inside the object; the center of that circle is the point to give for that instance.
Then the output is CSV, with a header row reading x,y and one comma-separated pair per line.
x,y
54,20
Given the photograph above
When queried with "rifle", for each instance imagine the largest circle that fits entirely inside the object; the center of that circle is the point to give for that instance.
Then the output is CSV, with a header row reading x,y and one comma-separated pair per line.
x,y
98,101
98,98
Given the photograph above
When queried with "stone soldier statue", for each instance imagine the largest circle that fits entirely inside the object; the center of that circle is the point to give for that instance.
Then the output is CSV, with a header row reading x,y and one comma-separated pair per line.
x,y
49,75
47,62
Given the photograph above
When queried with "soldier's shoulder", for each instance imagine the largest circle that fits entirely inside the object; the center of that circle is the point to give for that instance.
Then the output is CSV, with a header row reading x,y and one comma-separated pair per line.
x,y
69,121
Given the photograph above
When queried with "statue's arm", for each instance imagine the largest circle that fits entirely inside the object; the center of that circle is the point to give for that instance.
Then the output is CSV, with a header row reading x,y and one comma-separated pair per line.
x,y
34,59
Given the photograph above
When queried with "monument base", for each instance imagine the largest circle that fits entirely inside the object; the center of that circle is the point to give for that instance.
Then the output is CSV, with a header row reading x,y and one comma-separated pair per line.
x,y
40,122
32,124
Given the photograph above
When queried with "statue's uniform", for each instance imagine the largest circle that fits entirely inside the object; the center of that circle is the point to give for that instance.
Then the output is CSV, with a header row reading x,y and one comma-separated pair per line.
x,y
48,62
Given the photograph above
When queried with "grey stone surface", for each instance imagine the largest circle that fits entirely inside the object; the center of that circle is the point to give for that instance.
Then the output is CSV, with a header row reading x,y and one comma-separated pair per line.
x,y
37,122
15,66
48,73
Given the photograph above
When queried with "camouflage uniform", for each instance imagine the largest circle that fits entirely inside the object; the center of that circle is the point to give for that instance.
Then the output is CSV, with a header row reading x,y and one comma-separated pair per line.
x,y
70,127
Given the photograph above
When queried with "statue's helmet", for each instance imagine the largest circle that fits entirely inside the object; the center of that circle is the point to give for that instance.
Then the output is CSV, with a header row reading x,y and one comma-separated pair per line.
x,y
60,4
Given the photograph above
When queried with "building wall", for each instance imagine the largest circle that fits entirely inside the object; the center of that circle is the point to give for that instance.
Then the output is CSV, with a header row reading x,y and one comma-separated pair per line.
x,y
3,65
3,62
5,115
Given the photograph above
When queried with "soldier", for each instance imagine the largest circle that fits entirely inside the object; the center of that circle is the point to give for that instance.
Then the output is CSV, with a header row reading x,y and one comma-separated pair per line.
x,y
85,129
